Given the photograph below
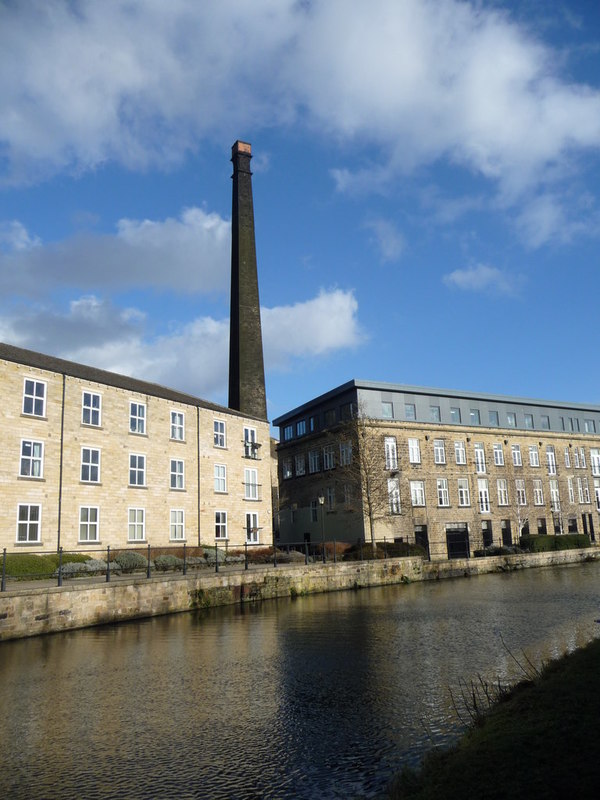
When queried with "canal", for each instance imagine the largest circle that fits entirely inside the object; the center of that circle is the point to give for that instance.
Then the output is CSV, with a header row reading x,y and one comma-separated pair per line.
x,y
318,697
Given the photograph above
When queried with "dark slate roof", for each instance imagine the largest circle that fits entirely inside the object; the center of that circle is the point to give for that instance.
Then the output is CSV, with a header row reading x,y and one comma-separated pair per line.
x,y
32,359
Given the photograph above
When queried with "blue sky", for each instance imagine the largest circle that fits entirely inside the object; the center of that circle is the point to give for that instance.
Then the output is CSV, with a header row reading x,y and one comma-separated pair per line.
x,y
426,189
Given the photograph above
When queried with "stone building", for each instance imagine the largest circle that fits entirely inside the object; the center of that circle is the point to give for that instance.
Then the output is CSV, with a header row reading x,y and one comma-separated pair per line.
x,y
459,471
91,458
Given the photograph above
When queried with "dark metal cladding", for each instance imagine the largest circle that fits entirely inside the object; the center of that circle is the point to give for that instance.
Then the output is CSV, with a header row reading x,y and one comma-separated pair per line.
x,y
246,368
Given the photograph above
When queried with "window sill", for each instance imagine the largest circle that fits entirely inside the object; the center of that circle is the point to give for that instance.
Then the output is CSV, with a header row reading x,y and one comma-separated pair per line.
x,y
178,441
136,486
90,483
176,489
34,416
138,433
137,541
29,544
41,479
91,425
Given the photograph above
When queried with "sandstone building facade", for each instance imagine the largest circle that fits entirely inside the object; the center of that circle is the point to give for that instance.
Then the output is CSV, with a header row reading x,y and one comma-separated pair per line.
x,y
91,458
460,471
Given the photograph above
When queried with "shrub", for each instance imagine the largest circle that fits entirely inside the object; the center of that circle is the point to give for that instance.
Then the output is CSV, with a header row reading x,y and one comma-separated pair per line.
x,y
129,561
166,562
546,542
28,565
95,566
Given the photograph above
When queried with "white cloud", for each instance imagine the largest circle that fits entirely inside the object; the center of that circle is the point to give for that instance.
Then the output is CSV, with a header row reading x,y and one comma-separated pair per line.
x,y
420,80
482,278
14,237
190,253
551,217
387,238
192,357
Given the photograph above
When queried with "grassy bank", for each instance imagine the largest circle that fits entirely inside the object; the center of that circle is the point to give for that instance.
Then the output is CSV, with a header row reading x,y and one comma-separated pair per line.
x,y
538,741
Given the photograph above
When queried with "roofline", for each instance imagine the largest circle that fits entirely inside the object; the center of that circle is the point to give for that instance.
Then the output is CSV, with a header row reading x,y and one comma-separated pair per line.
x,y
431,391
31,358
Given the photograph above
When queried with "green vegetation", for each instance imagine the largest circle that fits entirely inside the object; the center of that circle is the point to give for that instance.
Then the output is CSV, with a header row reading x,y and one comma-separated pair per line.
x,y
389,550
29,565
534,741
129,561
543,543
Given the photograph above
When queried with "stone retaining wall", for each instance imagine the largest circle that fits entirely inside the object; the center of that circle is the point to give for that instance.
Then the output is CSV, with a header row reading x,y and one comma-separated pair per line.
x,y
48,610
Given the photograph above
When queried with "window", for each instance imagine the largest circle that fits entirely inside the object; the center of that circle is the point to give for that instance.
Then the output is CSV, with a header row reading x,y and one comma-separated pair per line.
x,y
435,414
387,410
137,470
346,454
301,427
483,494
464,498
330,417
313,424
550,459
474,416
571,490
585,490
220,524
521,495
346,411
176,527
29,520
479,458
580,489
410,412
597,492
568,458
595,460
329,456
90,465
177,478
545,420
460,453
330,497
252,528
455,415
286,468
442,492
90,408
137,418
34,399
554,495
582,457
391,454
498,455
300,464
250,443
288,433
439,451
221,478
219,433
589,426
534,456
538,492
136,526
414,451
251,484
88,524
417,493
511,419
493,419
314,461
314,510
541,526
177,426
529,422
393,486
516,455
32,459
502,488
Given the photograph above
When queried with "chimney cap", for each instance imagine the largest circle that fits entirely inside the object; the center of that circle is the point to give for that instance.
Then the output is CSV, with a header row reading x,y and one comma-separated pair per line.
x,y
241,147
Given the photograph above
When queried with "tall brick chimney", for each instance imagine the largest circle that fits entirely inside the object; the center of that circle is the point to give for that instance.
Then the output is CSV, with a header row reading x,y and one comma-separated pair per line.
x,y
246,368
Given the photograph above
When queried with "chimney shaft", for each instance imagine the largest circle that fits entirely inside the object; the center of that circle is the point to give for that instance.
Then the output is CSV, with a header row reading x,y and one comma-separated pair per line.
x,y
246,368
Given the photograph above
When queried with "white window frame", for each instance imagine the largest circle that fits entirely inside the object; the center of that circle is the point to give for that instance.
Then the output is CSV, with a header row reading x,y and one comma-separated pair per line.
x,y
29,524
90,526
91,414
582,457
177,474
414,451
177,426
220,476
595,460
177,525
520,492
136,524
460,453
517,458
551,459
137,418
328,457
252,527
464,494
88,464
286,468
330,498
571,489
34,397
538,492
219,433
417,493
137,469
220,525
33,461
534,455
314,461
498,455
346,454
443,495
251,487
479,458
391,452
393,487
250,442
439,451
554,494
300,464
597,492
502,490
483,495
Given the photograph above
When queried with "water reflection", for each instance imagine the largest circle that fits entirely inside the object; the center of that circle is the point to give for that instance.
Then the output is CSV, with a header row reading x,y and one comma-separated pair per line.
x,y
321,697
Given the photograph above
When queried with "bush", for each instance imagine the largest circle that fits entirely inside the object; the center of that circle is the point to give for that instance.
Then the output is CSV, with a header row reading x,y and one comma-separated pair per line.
x,y
27,565
130,561
496,550
166,562
546,542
